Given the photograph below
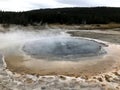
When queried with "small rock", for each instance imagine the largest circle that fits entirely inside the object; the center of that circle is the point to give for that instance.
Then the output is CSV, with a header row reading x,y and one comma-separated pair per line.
x,y
117,73
100,79
84,77
62,77
29,80
107,78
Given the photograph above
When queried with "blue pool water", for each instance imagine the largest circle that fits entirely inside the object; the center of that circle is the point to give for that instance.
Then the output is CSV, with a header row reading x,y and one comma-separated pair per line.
x,y
63,47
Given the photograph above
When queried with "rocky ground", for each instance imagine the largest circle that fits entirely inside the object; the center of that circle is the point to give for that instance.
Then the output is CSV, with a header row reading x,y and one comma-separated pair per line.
x,y
106,81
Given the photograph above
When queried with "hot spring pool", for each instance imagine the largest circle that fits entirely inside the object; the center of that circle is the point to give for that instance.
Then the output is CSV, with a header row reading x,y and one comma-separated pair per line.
x,y
57,54
68,47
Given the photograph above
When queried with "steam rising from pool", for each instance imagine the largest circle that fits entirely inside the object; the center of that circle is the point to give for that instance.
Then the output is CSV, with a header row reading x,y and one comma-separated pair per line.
x,y
13,39
48,44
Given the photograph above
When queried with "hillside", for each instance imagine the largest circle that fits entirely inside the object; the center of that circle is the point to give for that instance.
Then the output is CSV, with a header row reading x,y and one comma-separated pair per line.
x,y
93,15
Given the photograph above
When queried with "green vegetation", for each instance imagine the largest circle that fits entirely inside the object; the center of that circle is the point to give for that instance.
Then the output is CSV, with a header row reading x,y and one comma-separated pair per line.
x,y
96,15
